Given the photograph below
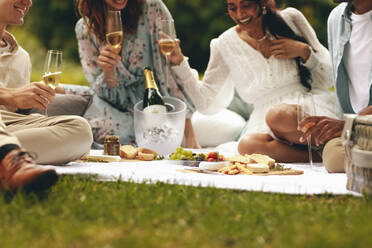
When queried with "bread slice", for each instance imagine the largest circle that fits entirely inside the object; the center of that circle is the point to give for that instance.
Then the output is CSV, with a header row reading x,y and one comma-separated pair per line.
x,y
148,151
146,156
128,151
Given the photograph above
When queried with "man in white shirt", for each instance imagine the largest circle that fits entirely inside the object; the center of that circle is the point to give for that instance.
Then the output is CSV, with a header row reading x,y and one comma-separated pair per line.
x,y
54,140
350,45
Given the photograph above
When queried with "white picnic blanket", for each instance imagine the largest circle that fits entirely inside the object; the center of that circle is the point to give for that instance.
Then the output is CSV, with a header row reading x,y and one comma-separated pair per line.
x,y
315,180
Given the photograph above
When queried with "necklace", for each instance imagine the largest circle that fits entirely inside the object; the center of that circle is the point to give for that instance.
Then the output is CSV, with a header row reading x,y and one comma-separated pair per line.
x,y
262,45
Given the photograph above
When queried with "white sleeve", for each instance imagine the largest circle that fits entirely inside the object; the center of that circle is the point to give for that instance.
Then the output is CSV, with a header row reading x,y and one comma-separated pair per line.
x,y
319,62
215,92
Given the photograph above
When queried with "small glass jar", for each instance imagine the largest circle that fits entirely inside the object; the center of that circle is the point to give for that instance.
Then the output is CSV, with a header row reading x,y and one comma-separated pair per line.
x,y
112,145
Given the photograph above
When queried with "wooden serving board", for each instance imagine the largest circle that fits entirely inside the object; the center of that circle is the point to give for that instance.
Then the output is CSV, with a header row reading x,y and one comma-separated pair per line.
x,y
270,173
106,159
280,173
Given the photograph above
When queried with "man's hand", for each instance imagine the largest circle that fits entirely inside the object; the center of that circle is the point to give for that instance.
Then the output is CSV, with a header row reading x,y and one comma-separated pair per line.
x,y
366,111
325,129
34,95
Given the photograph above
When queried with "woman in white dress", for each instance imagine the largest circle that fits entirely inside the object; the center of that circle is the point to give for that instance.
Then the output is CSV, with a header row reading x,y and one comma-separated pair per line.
x,y
271,57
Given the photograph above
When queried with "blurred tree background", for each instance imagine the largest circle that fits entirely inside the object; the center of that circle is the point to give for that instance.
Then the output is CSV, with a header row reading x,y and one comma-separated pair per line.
x,y
50,25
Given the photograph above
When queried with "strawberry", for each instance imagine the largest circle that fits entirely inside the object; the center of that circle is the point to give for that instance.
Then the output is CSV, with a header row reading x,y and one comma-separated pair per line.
x,y
212,155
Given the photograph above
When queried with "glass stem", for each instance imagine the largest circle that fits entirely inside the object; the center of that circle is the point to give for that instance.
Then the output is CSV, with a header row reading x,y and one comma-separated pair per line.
x,y
166,71
310,151
46,110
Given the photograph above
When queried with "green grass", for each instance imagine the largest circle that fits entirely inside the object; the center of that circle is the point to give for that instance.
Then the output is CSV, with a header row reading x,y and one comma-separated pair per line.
x,y
80,212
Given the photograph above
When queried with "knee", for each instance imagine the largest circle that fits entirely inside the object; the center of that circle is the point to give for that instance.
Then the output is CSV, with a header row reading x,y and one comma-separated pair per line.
x,y
252,143
82,132
277,114
334,156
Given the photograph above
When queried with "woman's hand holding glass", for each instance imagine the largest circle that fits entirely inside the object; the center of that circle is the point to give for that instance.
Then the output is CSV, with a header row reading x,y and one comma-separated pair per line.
x,y
176,56
108,59
167,41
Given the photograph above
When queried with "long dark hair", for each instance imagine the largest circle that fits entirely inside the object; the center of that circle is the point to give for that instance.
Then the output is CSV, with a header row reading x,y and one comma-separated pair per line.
x,y
94,12
276,25
349,8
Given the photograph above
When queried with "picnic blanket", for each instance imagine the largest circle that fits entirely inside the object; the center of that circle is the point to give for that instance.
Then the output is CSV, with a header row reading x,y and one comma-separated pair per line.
x,y
315,180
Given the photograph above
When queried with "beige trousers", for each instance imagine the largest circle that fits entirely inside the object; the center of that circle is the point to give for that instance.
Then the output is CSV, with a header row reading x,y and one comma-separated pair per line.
x,y
334,156
55,140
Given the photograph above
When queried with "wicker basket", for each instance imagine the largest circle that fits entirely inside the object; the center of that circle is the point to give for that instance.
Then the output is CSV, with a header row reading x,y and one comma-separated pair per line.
x,y
357,139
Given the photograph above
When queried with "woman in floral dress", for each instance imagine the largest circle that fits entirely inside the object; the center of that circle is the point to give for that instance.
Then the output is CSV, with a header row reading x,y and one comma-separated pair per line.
x,y
111,111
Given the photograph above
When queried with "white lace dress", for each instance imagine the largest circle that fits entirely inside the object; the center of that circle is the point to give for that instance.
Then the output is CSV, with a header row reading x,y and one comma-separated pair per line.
x,y
259,81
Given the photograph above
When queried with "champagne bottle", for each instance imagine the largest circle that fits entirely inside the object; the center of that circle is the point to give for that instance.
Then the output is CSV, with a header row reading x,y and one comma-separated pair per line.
x,y
152,101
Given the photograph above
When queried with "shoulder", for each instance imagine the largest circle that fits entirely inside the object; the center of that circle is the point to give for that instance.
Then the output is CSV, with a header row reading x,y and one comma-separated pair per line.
x,y
23,53
81,29
337,12
15,47
154,4
292,14
226,35
155,9
80,24
225,40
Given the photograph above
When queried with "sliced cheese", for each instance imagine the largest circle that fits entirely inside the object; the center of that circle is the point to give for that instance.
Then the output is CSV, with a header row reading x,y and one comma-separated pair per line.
x,y
262,159
213,166
244,159
257,168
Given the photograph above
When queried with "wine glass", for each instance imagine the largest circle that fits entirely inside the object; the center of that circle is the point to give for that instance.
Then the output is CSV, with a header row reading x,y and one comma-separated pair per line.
x,y
167,42
305,108
52,70
114,31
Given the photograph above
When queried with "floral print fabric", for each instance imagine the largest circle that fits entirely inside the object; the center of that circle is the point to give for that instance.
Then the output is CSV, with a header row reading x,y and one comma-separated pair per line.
x,y
111,111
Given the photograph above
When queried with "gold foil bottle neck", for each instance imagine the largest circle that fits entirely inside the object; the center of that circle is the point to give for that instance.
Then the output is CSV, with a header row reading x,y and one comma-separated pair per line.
x,y
149,79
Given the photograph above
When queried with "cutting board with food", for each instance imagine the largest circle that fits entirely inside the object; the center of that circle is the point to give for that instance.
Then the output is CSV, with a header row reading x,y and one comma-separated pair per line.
x,y
254,164
128,153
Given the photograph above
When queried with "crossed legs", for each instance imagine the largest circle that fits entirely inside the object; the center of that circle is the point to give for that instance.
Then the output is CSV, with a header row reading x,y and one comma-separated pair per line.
x,y
55,140
282,120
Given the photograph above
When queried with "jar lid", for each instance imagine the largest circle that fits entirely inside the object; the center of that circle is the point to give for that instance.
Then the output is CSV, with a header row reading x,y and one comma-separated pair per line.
x,y
111,138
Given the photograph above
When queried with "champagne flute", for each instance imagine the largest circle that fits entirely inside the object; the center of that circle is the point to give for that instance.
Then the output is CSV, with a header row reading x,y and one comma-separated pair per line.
x,y
114,29
167,42
305,108
52,70
114,32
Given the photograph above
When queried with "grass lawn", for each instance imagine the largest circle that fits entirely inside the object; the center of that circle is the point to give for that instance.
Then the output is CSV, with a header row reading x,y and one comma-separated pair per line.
x,y
81,212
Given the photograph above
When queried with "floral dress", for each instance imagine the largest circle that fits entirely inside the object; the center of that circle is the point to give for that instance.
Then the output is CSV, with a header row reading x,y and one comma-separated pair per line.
x,y
111,111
